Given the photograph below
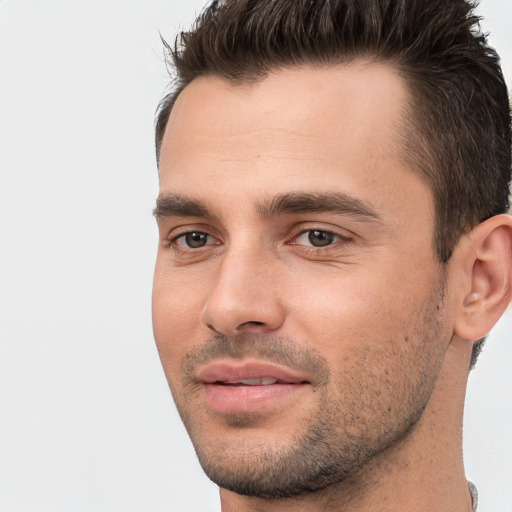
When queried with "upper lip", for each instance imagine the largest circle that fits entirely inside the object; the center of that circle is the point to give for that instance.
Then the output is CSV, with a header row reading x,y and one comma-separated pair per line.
x,y
235,371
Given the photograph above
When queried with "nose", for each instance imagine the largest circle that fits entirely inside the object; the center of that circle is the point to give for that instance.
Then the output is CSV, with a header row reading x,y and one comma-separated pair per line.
x,y
244,296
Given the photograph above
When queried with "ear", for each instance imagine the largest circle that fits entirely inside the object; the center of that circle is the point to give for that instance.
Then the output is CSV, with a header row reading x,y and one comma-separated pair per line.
x,y
485,256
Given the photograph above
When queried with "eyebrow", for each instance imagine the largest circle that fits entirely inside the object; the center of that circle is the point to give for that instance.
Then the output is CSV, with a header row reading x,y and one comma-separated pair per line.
x,y
330,202
173,205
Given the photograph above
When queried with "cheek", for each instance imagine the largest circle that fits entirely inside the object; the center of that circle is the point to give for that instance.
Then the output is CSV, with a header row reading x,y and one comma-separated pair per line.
x,y
176,318
351,310
344,304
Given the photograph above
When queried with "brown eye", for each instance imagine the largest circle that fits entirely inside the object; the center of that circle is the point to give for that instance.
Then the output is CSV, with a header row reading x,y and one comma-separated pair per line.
x,y
319,238
195,239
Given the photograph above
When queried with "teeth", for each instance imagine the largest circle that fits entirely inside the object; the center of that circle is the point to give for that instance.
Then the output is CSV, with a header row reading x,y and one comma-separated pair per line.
x,y
258,382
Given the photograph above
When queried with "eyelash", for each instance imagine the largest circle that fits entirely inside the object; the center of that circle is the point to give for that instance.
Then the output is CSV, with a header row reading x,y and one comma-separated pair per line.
x,y
173,242
334,237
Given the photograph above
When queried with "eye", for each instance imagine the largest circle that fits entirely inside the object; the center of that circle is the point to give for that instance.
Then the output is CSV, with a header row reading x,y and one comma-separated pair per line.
x,y
317,238
193,240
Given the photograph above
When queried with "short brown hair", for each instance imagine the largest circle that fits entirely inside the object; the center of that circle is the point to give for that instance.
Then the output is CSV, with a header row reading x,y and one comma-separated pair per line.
x,y
459,125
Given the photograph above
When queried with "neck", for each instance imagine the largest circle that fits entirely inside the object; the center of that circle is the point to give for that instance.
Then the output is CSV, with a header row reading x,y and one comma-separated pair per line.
x,y
422,472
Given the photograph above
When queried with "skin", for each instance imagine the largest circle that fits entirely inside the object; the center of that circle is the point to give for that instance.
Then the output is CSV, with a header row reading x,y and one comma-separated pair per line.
x,y
377,332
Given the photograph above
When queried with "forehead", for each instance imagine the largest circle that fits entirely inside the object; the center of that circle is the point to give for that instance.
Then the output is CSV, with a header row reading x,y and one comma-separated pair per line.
x,y
306,129
352,102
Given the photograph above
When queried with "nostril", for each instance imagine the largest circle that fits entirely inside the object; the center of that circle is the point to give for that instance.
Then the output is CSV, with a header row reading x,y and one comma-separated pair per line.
x,y
212,328
250,323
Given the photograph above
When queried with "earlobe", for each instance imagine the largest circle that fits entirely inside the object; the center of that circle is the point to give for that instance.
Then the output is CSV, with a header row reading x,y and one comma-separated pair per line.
x,y
487,256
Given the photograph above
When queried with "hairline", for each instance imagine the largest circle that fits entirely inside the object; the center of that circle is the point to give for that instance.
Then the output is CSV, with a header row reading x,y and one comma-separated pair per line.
x,y
166,106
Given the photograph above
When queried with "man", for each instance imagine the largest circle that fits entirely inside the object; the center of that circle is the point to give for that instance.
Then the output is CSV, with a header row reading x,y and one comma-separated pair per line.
x,y
334,247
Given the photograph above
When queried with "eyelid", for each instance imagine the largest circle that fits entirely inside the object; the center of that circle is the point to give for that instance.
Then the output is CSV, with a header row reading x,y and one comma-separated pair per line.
x,y
303,228
190,227
175,240
181,231
336,238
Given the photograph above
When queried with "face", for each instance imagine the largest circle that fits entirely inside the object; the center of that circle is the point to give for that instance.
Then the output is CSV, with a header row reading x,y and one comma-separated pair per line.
x,y
297,295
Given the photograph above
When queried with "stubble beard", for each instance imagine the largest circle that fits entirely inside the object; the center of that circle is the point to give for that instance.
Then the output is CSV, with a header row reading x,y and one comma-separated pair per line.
x,y
355,420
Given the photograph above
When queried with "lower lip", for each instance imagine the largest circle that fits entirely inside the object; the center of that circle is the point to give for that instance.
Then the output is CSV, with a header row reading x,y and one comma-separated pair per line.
x,y
237,399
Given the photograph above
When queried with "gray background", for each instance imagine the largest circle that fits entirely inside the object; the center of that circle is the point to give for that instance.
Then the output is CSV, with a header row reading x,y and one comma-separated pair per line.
x,y
86,420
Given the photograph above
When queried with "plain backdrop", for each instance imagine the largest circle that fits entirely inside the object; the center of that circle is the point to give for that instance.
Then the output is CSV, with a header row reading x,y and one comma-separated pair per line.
x,y
87,423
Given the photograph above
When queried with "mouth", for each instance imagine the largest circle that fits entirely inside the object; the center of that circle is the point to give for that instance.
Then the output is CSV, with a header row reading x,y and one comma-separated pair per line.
x,y
235,387
263,381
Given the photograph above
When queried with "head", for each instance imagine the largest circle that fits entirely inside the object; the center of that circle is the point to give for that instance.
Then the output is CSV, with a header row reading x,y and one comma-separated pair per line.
x,y
321,163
